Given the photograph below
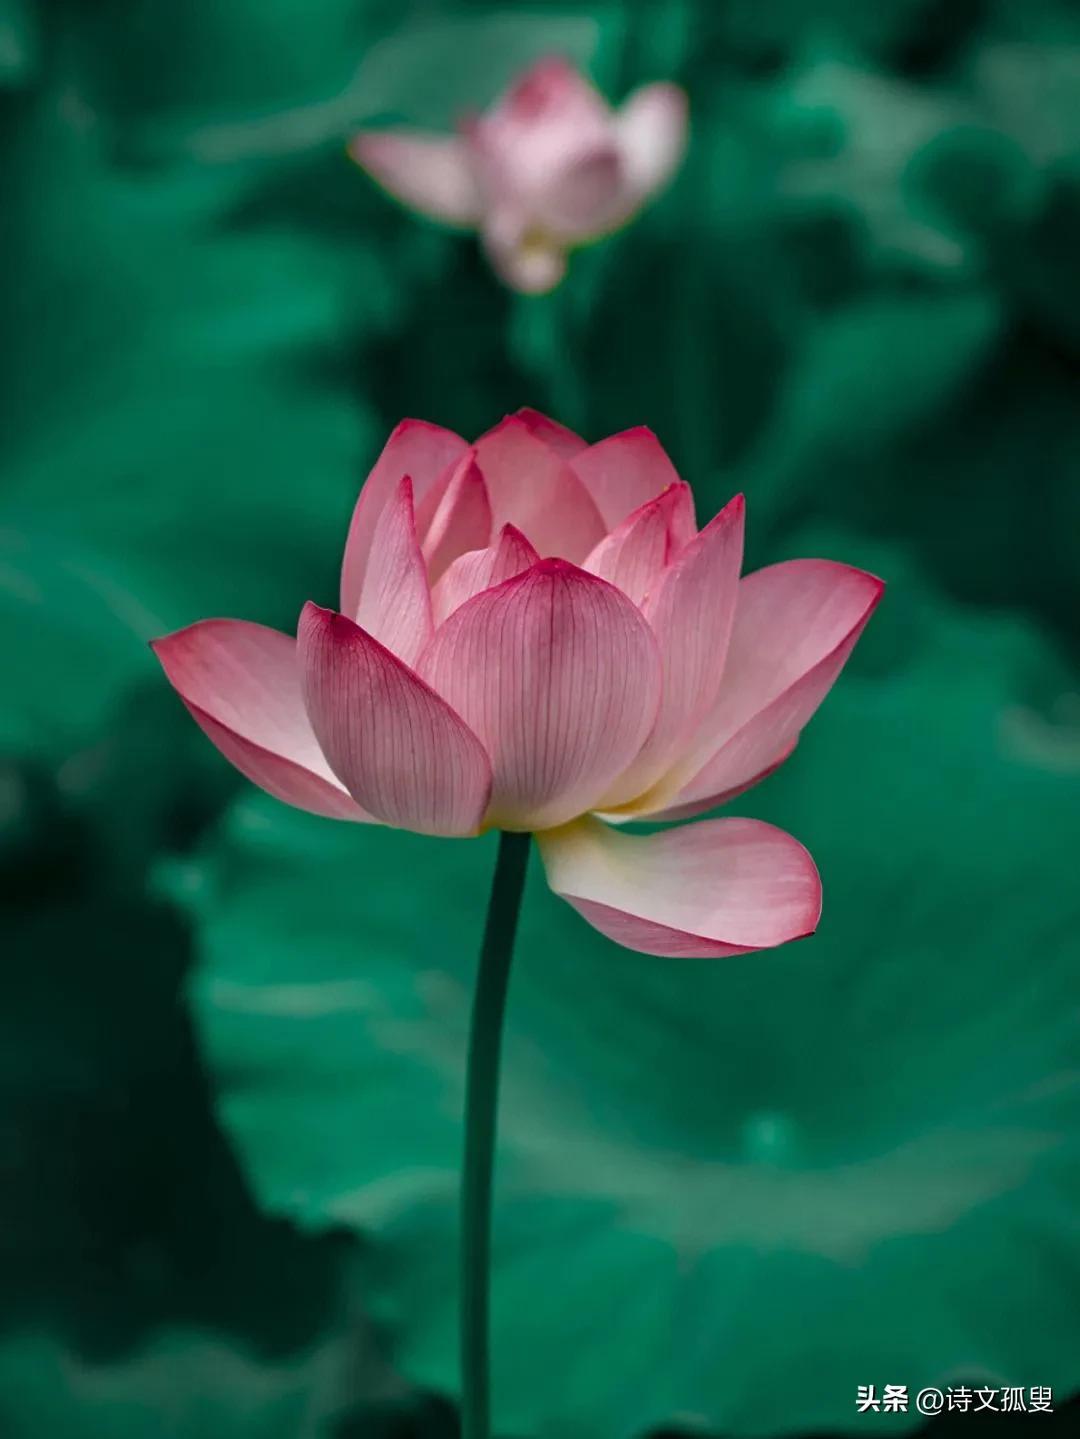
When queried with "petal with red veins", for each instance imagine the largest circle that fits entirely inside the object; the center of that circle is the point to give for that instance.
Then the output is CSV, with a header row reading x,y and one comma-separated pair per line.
x,y
434,174
651,130
634,555
426,453
534,489
706,890
559,675
241,683
795,625
562,440
624,471
386,734
510,555
690,611
461,521
395,602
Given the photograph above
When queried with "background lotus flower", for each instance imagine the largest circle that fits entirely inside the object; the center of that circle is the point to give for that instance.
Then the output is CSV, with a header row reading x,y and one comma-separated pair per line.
x,y
549,167
533,633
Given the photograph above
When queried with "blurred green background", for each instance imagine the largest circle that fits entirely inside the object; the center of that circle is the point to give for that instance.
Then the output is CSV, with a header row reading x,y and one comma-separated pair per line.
x,y
233,1035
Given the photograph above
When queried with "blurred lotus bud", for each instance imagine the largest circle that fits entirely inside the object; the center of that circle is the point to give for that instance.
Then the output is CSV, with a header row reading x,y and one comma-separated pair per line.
x,y
549,167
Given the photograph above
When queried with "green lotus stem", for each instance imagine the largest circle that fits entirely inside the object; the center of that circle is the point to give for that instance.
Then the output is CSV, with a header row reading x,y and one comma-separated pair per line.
x,y
481,1109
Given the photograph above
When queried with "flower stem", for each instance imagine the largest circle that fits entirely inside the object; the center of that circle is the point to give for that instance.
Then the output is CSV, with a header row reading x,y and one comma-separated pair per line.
x,y
481,1107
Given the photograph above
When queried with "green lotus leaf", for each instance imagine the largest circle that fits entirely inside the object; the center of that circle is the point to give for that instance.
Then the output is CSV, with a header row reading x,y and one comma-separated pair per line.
x,y
188,1384
724,1189
428,71
19,41
180,436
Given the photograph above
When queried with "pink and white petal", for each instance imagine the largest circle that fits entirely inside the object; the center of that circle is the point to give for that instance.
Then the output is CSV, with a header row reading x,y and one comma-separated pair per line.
x,y
462,519
395,602
691,612
430,173
795,625
635,554
386,734
559,675
624,471
427,453
534,489
562,440
510,555
706,890
528,262
241,683
683,808
651,128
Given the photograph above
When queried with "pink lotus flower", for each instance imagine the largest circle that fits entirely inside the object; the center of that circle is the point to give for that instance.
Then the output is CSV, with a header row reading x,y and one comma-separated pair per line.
x,y
534,635
549,167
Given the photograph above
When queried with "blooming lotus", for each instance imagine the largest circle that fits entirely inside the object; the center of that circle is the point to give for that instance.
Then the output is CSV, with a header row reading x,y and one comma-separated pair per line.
x,y
534,635
549,167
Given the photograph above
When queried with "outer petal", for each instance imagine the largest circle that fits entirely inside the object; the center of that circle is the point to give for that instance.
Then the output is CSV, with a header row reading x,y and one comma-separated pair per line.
x,y
241,683
623,471
719,887
633,556
558,674
430,173
387,734
424,452
562,440
795,625
462,518
510,555
651,130
534,489
395,602
691,612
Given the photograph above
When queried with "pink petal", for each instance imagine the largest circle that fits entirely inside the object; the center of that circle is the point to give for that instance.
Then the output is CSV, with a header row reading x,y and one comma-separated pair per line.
x,y
241,683
633,556
523,143
534,489
552,88
558,674
430,173
691,612
426,453
510,555
462,519
624,471
387,735
719,887
586,194
692,807
395,602
651,128
795,625
562,440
